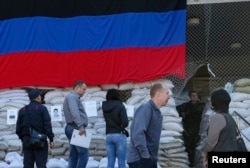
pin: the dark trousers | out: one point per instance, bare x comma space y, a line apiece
191, 138
31, 155
143, 163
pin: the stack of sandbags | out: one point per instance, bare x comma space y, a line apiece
172, 150
97, 147
60, 163
240, 103
13, 99
11, 160
138, 97
242, 85
9, 142
94, 93
56, 98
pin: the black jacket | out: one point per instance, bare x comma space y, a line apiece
115, 116
191, 113
35, 116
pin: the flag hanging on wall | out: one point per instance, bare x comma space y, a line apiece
55, 42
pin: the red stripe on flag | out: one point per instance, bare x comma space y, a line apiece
42, 68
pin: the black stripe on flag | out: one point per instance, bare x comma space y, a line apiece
70, 8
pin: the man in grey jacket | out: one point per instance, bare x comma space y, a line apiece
76, 118
146, 129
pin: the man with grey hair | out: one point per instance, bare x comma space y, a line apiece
146, 128
76, 118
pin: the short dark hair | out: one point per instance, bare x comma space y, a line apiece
220, 100
193, 91
112, 94
156, 87
78, 83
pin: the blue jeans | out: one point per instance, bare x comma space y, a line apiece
78, 156
116, 147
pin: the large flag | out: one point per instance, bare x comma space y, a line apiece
55, 42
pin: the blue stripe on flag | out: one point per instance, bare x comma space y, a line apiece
128, 30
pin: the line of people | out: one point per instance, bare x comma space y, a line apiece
145, 130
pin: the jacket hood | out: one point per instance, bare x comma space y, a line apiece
109, 106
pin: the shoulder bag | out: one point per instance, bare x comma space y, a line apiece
241, 147
124, 131
240, 142
37, 140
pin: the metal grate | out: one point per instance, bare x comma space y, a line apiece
125, 95
220, 37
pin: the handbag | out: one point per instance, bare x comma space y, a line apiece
124, 131
37, 139
241, 146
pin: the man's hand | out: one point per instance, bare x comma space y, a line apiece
82, 131
204, 159
51, 145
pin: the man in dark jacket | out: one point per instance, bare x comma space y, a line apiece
34, 116
191, 113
